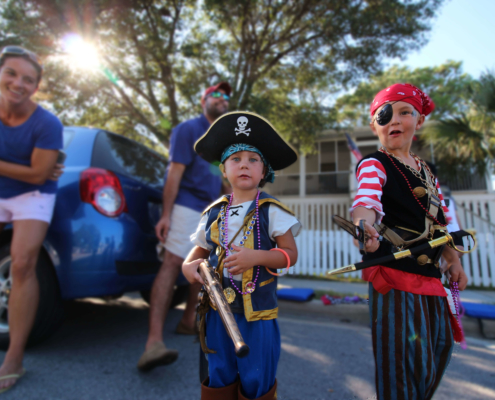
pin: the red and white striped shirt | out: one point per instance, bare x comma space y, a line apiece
371, 178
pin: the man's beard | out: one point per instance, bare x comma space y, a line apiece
216, 110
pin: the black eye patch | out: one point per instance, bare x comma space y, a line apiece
385, 115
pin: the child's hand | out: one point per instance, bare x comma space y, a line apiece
240, 262
450, 257
456, 274
372, 244
190, 271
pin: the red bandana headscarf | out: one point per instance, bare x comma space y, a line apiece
403, 92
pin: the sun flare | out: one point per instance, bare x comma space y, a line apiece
82, 54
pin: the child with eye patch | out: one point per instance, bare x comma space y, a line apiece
245, 236
413, 329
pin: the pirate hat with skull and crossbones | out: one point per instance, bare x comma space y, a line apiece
247, 128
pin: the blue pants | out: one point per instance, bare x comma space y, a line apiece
257, 371
412, 343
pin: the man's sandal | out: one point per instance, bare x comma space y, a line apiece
11, 376
157, 355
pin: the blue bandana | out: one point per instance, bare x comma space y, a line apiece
236, 148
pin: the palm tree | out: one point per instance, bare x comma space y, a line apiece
467, 142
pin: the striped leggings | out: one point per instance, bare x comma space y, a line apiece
412, 343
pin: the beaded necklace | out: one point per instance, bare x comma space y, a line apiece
416, 173
250, 286
454, 288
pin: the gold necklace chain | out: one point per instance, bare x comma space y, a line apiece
415, 172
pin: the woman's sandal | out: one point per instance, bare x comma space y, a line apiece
11, 376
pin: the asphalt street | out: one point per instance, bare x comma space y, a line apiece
93, 356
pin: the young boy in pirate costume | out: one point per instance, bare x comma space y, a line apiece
413, 330
236, 234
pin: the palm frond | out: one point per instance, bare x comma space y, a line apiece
458, 144
485, 96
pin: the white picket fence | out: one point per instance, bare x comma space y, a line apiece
478, 212
323, 247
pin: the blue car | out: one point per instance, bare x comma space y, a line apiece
101, 241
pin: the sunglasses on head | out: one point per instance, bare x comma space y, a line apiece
21, 52
217, 95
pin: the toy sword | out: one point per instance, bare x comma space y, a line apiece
447, 239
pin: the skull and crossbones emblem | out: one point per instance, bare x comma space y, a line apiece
242, 123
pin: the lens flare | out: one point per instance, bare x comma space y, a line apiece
81, 54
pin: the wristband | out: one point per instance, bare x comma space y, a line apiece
288, 263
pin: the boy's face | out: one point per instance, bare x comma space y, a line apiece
244, 170
399, 132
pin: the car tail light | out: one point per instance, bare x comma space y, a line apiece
102, 189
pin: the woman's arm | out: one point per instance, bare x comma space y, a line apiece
245, 259
42, 165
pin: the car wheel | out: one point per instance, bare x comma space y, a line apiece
50, 309
179, 296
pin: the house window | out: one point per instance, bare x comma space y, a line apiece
332, 173
334, 156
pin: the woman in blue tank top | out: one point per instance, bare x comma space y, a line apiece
30, 140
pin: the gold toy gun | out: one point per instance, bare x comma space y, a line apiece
215, 292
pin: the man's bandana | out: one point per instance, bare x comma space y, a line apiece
403, 92
236, 148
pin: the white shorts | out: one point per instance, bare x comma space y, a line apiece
183, 224
30, 205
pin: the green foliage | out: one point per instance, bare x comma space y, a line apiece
457, 144
285, 59
466, 142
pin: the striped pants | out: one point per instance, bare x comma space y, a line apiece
412, 343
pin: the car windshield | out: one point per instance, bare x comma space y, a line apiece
127, 157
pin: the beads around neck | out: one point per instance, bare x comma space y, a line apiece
224, 229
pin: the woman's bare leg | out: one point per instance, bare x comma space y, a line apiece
24, 297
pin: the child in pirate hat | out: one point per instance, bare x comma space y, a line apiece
413, 329
237, 235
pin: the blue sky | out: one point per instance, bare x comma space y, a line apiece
464, 30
